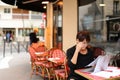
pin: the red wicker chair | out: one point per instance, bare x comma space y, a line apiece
36, 62
39, 47
98, 51
49, 66
62, 74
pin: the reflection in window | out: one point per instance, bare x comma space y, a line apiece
103, 22
89, 19
57, 21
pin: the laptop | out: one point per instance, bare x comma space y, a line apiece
99, 64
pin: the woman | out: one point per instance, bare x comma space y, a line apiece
79, 55
33, 37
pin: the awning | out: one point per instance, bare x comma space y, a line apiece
36, 5
33, 5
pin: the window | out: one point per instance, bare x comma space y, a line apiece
102, 19
92, 17
116, 5
26, 31
7, 10
36, 15
57, 23
33, 12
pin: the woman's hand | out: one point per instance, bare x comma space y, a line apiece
79, 46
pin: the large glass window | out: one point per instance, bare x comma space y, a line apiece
27, 31
36, 15
102, 19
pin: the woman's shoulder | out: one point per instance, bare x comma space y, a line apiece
71, 49
41, 43
35, 45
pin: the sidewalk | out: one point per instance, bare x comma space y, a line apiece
16, 66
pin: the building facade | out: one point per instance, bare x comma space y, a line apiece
20, 22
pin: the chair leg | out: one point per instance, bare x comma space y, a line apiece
48, 73
31, 74
56, 76
43, 72
32, 70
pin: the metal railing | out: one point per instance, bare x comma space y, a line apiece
15, 46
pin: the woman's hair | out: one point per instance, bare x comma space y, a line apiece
83, 35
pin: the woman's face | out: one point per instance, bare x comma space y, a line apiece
84, 45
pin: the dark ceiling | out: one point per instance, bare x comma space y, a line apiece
36, 5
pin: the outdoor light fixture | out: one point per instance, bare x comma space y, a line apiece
45, 2
44, 7
102, 5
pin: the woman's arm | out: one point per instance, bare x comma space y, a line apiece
77, 50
